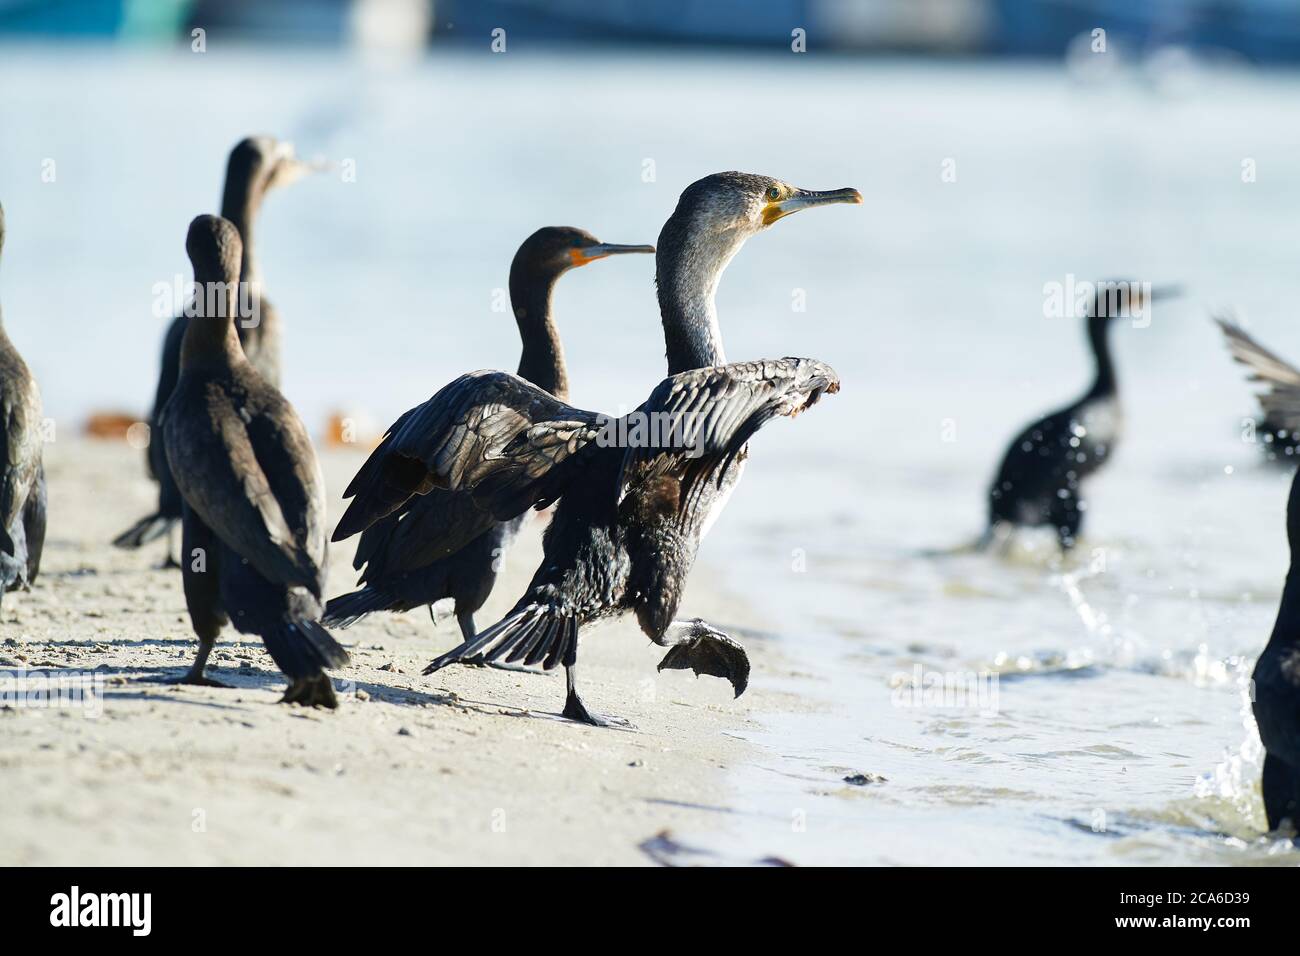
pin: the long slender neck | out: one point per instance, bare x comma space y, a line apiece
687, 270
239, 204
1104, 385
542, 359
211, 339
1286, 631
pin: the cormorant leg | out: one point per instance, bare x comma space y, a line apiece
576, 710
201, 583
1067, 519
195, 674
169, 560
1280, 788
467, 629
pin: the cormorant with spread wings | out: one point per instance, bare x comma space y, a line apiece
635, 494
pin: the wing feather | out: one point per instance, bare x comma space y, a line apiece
1281, 400
713, 412
489, 432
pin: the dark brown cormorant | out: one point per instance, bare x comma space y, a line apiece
257, 165
1039, 480
1280, 429
22, 490
636, 494
253, 525
406, 563
1276, 698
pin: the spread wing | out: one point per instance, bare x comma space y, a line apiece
253, 478
1281, 401
492, 432
512, 446
700, 420
425, 529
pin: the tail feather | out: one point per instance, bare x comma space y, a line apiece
530, 647
303, 648
346, 609
566, 648
147, 529
535, 632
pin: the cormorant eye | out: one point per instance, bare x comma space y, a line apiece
773, 193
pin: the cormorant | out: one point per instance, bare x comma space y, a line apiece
253, 525
1276, 682
1281, 402
1039, 480
636, 494
22, 489
406, 563
257, 165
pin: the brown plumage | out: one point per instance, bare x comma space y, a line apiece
257, 165
254, 500
22, 487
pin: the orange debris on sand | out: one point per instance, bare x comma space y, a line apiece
109, 424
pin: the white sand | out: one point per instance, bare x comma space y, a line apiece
466, 766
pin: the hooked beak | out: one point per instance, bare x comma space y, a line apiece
289, 168
1172, 291
602, 249
808, 199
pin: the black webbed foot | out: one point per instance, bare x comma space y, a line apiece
704, 649
317, 691
576, 710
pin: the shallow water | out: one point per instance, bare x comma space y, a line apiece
1118, 733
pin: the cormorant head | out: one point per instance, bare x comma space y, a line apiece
1128, 298
714, 217
214, 249
257, 165
741, 204
553, 250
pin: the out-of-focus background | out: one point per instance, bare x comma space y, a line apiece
1260, 30
1002, 148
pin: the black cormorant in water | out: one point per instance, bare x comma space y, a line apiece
1280, 429
257, 165
407, 565
1276, 699
1039, 480
636, 494
22, 491
253, 527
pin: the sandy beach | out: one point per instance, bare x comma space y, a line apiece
468, 766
